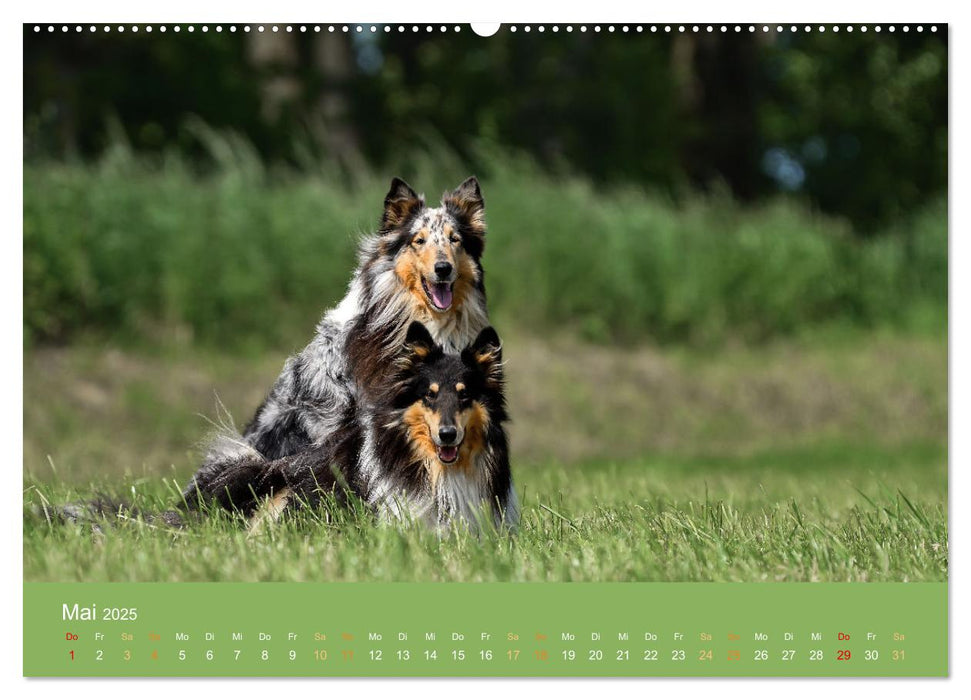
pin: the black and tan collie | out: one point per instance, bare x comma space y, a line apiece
427, 444
423, 264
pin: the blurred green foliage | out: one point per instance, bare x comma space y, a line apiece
854, 123
136, 247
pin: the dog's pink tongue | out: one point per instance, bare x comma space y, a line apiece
448, 453
442, 294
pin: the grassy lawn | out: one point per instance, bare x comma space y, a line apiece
790, 461
657, 521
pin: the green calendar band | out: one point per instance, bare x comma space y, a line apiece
485, 629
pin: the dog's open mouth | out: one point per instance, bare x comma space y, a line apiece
448, 453
439, 293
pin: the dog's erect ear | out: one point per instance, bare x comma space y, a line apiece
419, 347
469, 192
400, 201
400, 190
485, 354
467, 200
418, 343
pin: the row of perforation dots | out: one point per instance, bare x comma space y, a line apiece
414, 28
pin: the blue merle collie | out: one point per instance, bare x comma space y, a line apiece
423, 264
427, 444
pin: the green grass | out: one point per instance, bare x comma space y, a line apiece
799, 460
643, 521
132, 248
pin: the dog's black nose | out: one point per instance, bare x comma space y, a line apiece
447, 434
443, 270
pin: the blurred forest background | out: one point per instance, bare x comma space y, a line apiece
700, 244
665, 187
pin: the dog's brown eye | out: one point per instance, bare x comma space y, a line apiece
430, 396
455, 239
419, 241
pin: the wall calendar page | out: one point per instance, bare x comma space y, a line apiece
485, 350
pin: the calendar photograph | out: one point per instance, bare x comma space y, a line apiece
401, 308
683, 299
